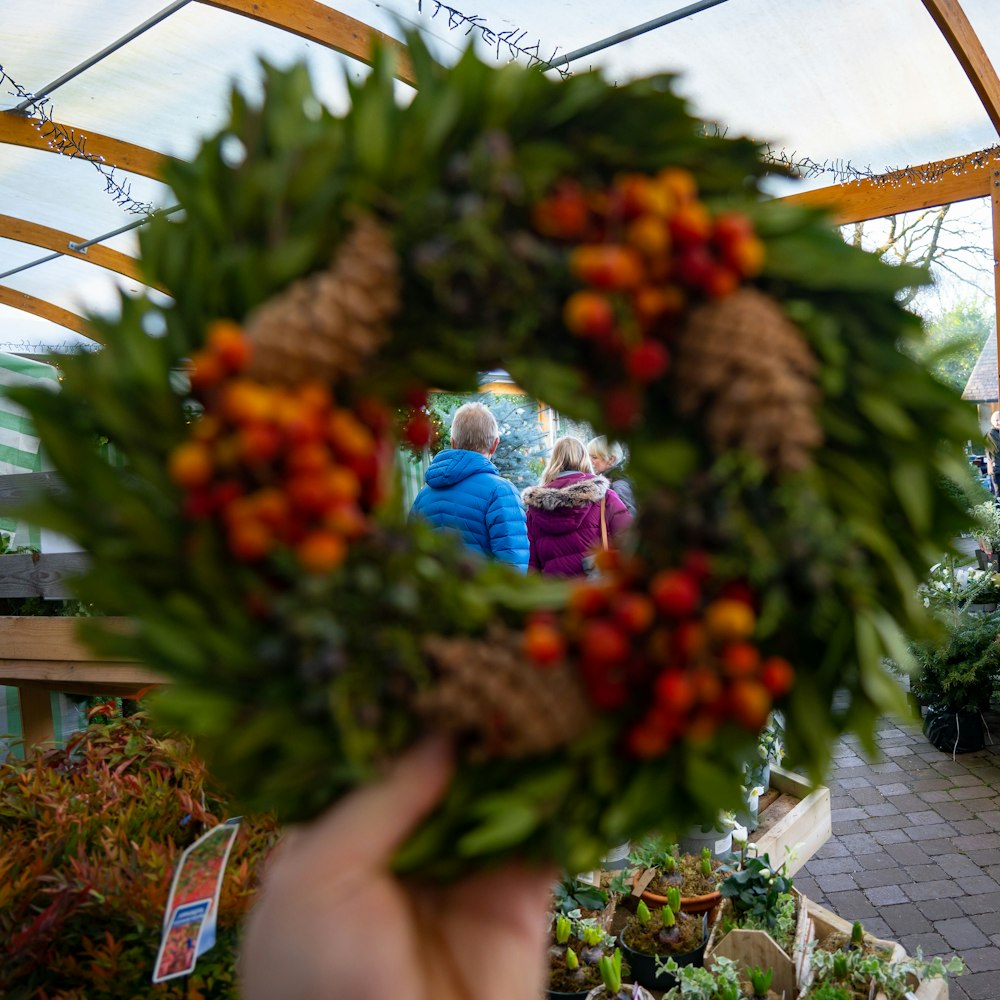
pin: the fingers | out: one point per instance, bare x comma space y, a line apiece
369, 825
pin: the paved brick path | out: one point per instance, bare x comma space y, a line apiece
915, 851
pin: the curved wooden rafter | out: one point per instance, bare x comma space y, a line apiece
319, 23
12, 228
46, 310
30, 133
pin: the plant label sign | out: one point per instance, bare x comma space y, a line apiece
193, 905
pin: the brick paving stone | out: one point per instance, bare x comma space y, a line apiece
956, 812
935, 889
867, 796
807, 886
898, 750
861, 843
961, 933
836, 883
979, 842
991, 818
832, 849
958, 865
846, 828
883, 809
891, 837
967, 779
982, 959
974, 986
976, 885
831, 866
937, 795
854, 783
966, 827
910, 854
875, 862
929, 943
983, 857
929, 784
942, 909
932, 831
942, 845
972, 793
842, 815
989, 902
894, 788
926, 873
851, 905
885, 895
927, 817
988, 923
881, 876
889, 767
904, 919
876, 823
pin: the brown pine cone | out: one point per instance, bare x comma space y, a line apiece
327, 325
489, 693
746, 367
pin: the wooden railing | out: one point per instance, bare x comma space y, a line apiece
39, 655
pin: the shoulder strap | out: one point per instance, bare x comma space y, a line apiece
604, 525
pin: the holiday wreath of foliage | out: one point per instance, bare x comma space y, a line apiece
625, 268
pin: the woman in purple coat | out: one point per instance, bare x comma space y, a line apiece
564, 512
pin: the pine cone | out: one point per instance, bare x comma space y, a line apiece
489, 693
748, 369
327, 325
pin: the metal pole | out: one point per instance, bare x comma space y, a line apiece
639, 29
82, 247
104, 53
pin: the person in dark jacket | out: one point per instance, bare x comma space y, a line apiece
465, 492
607, 456
564, 512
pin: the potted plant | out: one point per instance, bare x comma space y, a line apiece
717, 836
761, 920
582, 900
986, 527
658, 865
955, 680
612, 987
722, 982
856, 972
574, 957
666, 931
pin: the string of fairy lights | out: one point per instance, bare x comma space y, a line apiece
69, 142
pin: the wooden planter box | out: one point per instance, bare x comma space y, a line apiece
749, 948
823, 922
792, 816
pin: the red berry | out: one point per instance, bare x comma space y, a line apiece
603, 643
777, 675
647, 361
675, 592
419, 430
544, 643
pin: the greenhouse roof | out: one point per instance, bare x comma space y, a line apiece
845, 89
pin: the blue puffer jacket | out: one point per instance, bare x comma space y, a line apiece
465, 492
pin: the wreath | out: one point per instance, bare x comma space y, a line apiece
789, 461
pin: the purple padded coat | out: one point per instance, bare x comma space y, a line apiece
564, 521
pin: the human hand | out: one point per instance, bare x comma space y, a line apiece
333, 921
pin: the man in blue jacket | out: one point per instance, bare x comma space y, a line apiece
466, 493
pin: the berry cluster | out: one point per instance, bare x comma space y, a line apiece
278, 467
645, 249
674, 651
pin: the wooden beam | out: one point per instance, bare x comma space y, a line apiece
45, 575
13, 228
322, 24
36, 716
968, 49
960, 178
29, 132
46, 310
995, 206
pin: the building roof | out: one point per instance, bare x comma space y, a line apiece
982, 384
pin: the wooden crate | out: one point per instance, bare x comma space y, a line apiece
793, 816
823, 922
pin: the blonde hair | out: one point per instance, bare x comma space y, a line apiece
607, 451
569, 454
474, 428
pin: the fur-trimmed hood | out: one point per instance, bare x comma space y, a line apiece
575, 490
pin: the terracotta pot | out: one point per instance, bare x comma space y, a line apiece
689, 904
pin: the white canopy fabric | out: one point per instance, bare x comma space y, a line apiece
862, 85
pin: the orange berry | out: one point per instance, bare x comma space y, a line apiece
563, 215
652, 302
608, 266
749, 704
634, 612
740, 659
777, 675
603, 643
349, 436
345, 519
720, 282
270, 506
587, 600
342, 484
228, 343
321, 552
691, 223
206, 371
190, 465
249, 540
650, 236
311, 458
747, 256
731, 227
675, 592
679, 182
245, 402
544, 643
258, 442
674, 688
308, 494
589, 314
729, 619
